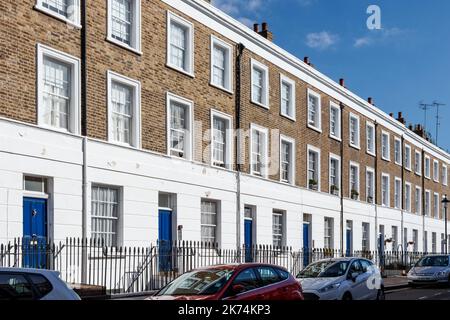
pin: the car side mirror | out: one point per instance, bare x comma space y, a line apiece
238, 288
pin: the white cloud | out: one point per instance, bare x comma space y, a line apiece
242, 10
378, 36
321, 40
306, 3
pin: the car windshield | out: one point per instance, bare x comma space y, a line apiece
202, 282
438, 261
324, 269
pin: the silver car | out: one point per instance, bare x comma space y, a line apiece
342, 279
431, 269
33, 284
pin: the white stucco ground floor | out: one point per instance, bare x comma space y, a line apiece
134, 197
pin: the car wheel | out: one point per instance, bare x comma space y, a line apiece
381, 295
347, 297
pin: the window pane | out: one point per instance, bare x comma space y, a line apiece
208, 221
178, 129
219, 66
56, 94
122, 102
178, 45
121, 15
219, 141
58, 6
258, 85
105, 214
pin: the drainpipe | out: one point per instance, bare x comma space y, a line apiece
84, 133
238, 73
423, 195
376, 194
342, 182
403, 202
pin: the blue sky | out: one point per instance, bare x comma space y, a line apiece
405, 62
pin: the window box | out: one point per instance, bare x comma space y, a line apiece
354, 194
334, 190
313, 185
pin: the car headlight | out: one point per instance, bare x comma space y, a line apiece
442, 274
330, 287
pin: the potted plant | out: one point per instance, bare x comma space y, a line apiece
354, 194
312, 184
335, 190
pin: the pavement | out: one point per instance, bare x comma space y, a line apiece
395, 282
420, 293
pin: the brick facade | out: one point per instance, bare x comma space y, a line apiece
24, 27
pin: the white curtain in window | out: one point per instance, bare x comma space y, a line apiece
105, 214
122, 13
122, 101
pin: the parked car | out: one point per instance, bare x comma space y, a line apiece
33, 284
431, 269
342, 279
233, 282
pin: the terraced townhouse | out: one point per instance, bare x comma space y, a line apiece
138, 120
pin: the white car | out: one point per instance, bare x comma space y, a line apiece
33, 284
342, 279
431, 269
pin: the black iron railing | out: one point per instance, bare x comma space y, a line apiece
138, 269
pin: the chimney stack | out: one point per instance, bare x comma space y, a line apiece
370, 100
401, 119
265, 32
391, 115
342, 82
256, 27
306, 60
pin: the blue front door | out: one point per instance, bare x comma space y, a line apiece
349, 242
248, 239
165, 240
306, 246
34, 233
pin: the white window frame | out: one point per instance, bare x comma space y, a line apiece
386, 202
229, 138
135, 85
317, 127
120, 211
436, 171
444, 177
388, 147
74, 20
408, 195
281, 214
336, 136
418, 166
338, 170
371, 170
427, 203
291, 160
265, 152
265, 89
427, 173
357, 144
398, 193
216, 42
418, 201
135, 43
436, 205
75, 83
328, 236
358, 183
190, 44
292, 97
190, 130
408, 155
399, 141
365, 236
372, 127
316, 150
217, 214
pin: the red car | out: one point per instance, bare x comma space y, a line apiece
251, 281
